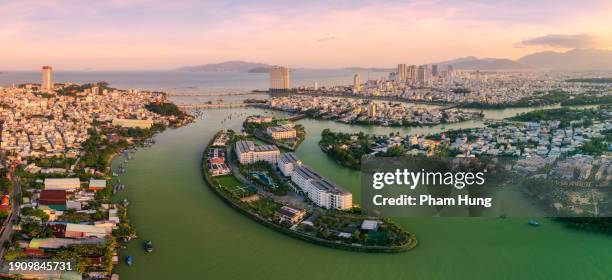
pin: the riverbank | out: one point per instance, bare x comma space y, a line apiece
196, 233
245, 206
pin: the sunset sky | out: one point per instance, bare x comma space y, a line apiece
160, 34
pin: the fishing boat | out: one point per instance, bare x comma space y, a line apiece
533, 223
148, 246
128, 260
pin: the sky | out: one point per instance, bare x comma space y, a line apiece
163, 34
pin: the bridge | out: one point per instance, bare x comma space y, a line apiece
193, 106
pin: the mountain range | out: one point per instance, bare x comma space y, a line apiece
576, 59
228, 66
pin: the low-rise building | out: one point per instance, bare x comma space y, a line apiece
290, 214
96, 185
144, 124
54, 199
320, 190
248, 153
281, 132
85, 231
67, 184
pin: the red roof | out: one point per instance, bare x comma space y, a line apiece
53, 197
34, 252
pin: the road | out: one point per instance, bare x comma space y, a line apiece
7, 228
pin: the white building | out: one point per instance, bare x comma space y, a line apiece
144, 124
247, 153
320, 190
281, 132
287, 162
67, 184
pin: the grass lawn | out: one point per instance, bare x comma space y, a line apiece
233, 185
265, 206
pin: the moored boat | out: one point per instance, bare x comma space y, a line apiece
148, 246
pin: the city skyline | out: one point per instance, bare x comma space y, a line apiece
142, 35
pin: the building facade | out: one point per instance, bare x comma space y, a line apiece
281, 132
47, 79
287, 162
320, 190
248, 153
279, 79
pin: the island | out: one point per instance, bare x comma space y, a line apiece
245, 176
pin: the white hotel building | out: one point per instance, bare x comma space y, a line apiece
287, 162
320, 190
248, 153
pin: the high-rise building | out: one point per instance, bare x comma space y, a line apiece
357, 82
372, 109
423, 74
47, 78
412, 73
402, 72
434, 70
315, 86
279, 79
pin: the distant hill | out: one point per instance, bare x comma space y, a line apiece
577, 59
264, 69
373, 69
474, 63
228, 66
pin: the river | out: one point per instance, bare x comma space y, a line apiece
197, 236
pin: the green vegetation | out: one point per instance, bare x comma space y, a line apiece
461, 90
5, 183
550, 98
230, 184
164, 109
259, 131
598, 225
85, 254
591, 80
29, 211
346, 149
72, 90
566, 116
597, 146
277, 185
587, 99
99, 150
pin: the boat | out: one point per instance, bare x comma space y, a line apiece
533, 223
128, 260
148, 246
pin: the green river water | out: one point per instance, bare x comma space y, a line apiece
197, 236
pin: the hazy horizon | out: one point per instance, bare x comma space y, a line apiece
75, 35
